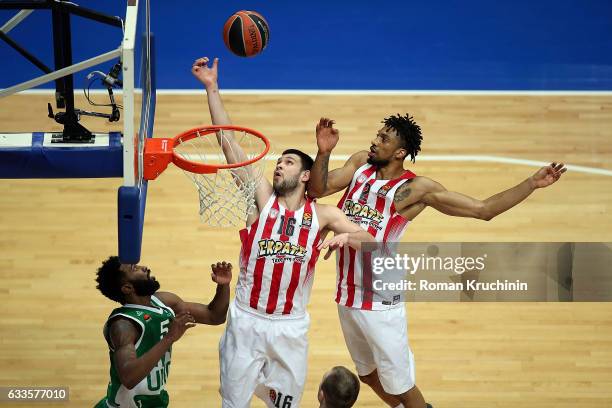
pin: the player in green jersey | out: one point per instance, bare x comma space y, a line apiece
141, 332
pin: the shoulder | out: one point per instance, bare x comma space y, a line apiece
122, 330
359, 158
414, 189
426, 184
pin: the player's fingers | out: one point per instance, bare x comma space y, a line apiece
215, 64
328, 254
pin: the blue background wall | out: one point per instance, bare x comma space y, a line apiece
403, 45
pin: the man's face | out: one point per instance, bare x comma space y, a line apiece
139, 278
287, 174
384, 147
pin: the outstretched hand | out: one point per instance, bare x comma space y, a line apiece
339, 241
205, 74
221, 273
548, 175
327, 135
179, 326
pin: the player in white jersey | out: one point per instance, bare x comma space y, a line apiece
384, 197
264, 348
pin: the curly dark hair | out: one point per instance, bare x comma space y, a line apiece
109, 278
408, 131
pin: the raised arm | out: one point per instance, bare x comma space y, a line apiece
123, 336
213, 313
231, 149
435, 195
322, 181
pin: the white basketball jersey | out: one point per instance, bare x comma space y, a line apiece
367, 202
277, 260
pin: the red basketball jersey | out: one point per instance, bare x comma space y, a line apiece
367, 202
277, 260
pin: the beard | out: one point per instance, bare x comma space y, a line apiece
378, 162
145, 287
285, 186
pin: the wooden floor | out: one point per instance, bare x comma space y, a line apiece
54, 233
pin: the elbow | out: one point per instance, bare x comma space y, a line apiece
314, 192
127, 382
129, 385
484, 213
218, 319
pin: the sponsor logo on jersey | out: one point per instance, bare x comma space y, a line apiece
362, 212
273, 213
146, 317
382, 192
270, 247
307, 220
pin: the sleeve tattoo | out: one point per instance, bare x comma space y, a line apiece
403, 192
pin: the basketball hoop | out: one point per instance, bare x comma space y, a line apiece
226, 192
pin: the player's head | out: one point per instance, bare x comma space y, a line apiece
339, 388
292, 170
120, 282
399, 138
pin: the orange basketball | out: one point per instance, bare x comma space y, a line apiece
246, 33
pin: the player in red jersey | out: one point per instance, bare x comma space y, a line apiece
383, 196
264, 347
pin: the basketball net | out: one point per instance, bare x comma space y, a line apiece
227, 196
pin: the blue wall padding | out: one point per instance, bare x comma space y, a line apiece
356, 44
131, 210
36, 161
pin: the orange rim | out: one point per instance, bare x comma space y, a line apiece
202, 168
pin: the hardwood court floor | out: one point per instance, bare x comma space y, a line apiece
54, 233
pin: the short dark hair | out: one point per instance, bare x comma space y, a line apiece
340, 388
408, 131
307, 161
110, 278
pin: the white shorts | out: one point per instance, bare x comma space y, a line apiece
378, 340
262, 356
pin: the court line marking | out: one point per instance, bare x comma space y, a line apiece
451, 158
488, 159
381, 92
468, 158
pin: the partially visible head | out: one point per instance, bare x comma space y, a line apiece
339, 388
121, 282
292, 169
399, 138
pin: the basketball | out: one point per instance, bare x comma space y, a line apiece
246, 33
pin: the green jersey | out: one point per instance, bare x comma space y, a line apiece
153, 322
